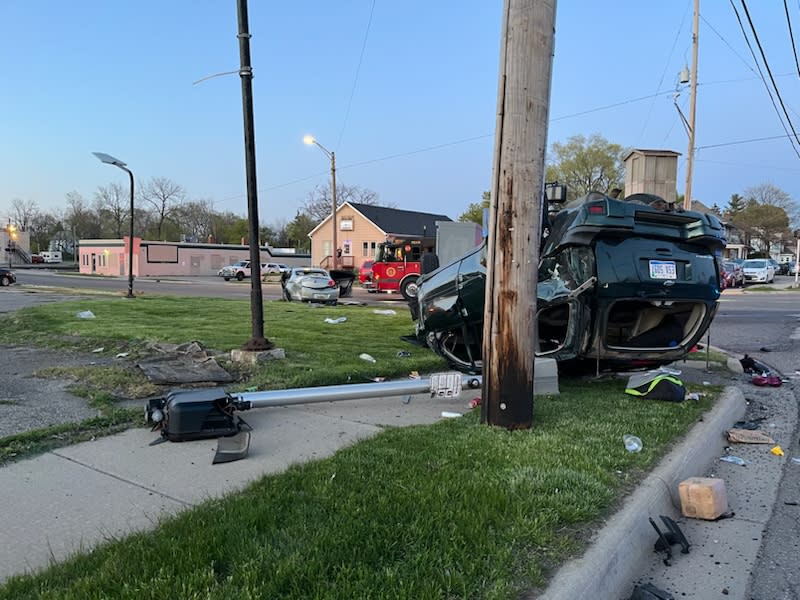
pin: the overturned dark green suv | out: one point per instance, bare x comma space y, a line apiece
630, 283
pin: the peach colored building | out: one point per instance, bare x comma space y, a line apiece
361, 227
161, 259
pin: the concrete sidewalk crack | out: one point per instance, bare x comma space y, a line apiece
122, 479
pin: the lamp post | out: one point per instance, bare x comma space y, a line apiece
310, 140
11, 230
110, 160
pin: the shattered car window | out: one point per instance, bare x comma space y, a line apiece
564, 272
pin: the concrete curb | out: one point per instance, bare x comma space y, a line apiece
622, 549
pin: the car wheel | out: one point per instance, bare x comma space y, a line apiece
239, 276
409, 288
5, 280
227, 278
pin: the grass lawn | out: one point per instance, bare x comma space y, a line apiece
454, 509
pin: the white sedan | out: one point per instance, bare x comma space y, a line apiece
758, 270
309, 284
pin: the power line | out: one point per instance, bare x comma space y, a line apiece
749, 141
769, 91
719, 35
748, 165
791, 35
355, 79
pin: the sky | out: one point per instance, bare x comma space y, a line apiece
405, 93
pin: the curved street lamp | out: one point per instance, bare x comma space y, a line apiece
311, 141
110, 160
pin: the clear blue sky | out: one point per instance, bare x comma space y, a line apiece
116, 77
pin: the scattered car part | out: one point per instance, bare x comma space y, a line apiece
648, 591
673, 535
185, 415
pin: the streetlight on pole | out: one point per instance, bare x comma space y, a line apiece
110, 160
310, 140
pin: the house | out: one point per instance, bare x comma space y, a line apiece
162, 259
361, 227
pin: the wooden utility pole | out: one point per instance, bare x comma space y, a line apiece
523, 99
687, 194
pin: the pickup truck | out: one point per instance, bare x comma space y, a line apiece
238, 270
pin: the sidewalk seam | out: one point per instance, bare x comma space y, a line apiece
122, 479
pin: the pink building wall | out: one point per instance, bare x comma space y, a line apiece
161, 259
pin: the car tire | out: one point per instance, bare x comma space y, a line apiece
5, 280
239, 276
227, 278
408, 288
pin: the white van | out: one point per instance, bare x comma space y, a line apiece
51, 257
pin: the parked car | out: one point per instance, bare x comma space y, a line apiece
7, 277
778, 267
793, 268
622, 284
365, 272
758, 270
274, 269
309, 284
732, 274
238, 270
37, 259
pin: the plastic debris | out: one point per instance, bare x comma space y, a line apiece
335, 321
98, 350
413, 375
632, 443
475, 402
451, 415
693, 396
85, 314
777, 451
733, 459
122, 355
403, 354
367, 357
386, 311
796, 460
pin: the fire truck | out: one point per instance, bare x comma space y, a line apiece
400, 260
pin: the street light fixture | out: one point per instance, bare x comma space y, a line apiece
310, 140
110, 160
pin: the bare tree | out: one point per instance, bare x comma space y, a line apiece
319, 203
196, 219
112, 204
771, 195
165, 196
23, 212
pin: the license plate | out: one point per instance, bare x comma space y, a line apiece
663, 269
320, 296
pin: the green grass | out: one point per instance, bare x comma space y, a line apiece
317, 353
455, 509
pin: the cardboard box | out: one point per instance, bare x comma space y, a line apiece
703, 498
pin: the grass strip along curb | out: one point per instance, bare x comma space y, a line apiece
454, 509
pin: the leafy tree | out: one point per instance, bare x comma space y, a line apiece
762, 223
297, 231
474, 211
228, 228
587, 165
43, 227
319, 203
771, 195
165, 196
195, 218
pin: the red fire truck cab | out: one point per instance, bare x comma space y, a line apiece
398, 265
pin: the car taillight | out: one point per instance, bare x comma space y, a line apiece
598, 208
331, 283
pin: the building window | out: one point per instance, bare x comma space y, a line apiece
346, 224
374, 248
365, 249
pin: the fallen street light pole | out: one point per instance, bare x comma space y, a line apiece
196, 414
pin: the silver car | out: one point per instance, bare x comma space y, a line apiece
758, 270
309, 284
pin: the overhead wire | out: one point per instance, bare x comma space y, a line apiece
791, 35
355, 79
769, 71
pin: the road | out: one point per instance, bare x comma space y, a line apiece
767, 327
177, 286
